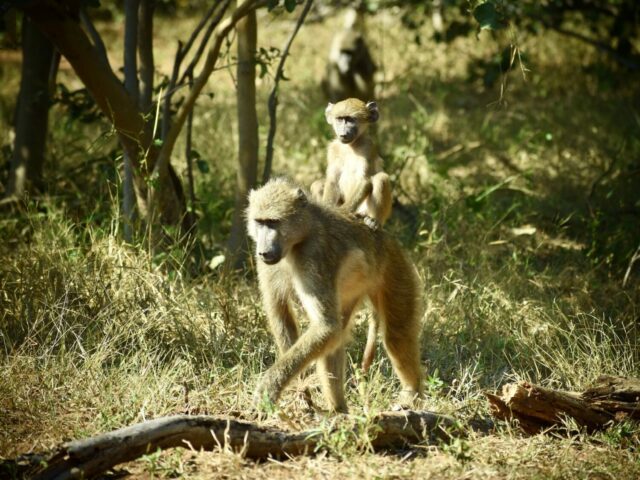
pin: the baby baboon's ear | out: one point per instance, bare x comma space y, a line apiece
327, 113
374, 114
301, 197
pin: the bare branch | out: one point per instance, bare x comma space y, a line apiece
200, 81
91, 456
273, 97
189, 71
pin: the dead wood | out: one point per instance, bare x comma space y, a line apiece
91, 456
536, 408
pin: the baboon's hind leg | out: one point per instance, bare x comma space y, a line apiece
401, 336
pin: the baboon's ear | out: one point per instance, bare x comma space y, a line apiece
301, 197
374, 114
327, 113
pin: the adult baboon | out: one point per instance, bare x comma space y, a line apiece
330, 261
350, 69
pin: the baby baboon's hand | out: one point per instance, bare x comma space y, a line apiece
370, 222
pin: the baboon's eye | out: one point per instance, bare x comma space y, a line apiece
269, 223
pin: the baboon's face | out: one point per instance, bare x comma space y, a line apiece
350, 118
275, 219
347, 128
269, 240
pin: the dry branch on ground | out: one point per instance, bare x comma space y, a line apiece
536, 408
88, 457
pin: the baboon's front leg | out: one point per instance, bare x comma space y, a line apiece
319, 338
281, 322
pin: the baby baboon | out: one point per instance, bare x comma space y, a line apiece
354, 177
330, 262
350, 68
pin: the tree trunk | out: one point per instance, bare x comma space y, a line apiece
91, 456
131, 85
536, 408
134, 133
32, 112
145, 54
247, 136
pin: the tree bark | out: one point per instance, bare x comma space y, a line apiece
32, 112
145, 54
89, 457
131, 84
536, 408
247, 136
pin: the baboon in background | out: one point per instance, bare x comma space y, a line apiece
330, 261
350, 69
354, 177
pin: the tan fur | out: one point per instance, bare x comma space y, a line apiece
330, 262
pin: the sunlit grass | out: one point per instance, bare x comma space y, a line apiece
517, 235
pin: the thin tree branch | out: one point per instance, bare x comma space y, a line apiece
200, 81
181, 53
188, 155
634, 258
95, 37
203, 43
273, 97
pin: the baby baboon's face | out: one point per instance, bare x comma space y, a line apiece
346, 128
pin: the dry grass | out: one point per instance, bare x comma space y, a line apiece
519, 238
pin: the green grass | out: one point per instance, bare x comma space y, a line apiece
521, 219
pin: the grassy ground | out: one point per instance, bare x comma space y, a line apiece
521, 216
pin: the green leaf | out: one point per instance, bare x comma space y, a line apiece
488, 17
203, 166
290, 5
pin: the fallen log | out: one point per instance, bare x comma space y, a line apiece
609, 399
91, 456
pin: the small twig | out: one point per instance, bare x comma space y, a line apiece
273, 97
634, 258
